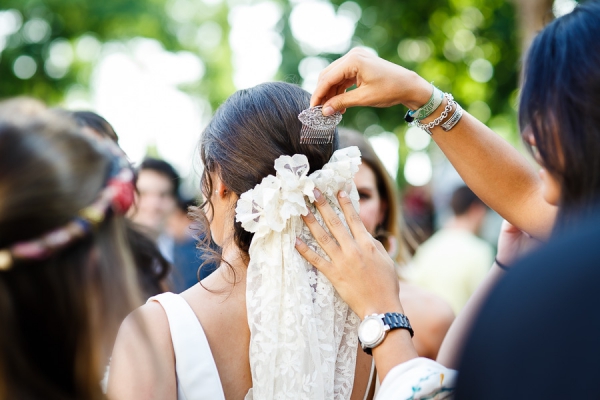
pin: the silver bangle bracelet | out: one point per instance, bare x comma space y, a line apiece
453, 120
427, 127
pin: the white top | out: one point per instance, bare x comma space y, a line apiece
197, 375
418, 379
452, 263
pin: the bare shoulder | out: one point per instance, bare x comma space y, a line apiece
143, 360
429, 315
148, 324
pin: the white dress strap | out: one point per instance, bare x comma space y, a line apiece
197, 375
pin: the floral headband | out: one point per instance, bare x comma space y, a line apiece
117, 195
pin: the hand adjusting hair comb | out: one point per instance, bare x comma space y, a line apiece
317, 128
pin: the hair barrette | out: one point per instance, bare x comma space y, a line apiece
317, 128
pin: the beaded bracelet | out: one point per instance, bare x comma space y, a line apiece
437, 96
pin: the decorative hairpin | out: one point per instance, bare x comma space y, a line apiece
317, 128
117, 196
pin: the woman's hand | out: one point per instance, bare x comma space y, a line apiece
360, 268
379, 83
513, 243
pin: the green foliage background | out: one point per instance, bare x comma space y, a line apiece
390, 27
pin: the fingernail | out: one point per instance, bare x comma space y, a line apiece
317, 194
328, 110
343, 193
298, 242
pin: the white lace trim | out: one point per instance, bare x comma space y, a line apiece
303, 336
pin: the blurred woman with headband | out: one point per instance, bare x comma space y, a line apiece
66, 273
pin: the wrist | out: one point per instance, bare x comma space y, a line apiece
418, 93
502, 265
382, 308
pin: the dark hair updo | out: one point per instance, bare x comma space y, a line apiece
560, 107
247, 134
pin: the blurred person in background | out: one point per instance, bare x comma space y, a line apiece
66, 273
153, 268
454, 260
94, 124
157, 187
189, 267
380, 212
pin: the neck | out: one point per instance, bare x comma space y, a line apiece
462, 223
231, 275
237, 260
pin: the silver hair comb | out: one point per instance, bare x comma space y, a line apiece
317, 128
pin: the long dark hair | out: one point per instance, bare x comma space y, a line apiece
560, 106
59, 315
247, 134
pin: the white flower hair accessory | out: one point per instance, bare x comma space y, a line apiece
303, 336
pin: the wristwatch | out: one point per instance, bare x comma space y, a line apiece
373, 328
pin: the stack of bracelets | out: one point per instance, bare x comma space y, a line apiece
414, 117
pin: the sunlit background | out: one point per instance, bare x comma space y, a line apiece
157, 69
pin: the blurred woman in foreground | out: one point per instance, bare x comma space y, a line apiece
66, 275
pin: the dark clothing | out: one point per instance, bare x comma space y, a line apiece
538, 334
186, 262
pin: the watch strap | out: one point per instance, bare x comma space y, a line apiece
396, 321
393, 321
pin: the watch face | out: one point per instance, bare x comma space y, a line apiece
370, 330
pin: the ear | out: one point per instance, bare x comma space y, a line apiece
220, 189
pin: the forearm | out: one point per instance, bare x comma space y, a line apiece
493, 169
498, 174
394, 350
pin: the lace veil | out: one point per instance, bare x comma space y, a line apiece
303, 335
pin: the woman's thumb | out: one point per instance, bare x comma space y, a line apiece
340, 102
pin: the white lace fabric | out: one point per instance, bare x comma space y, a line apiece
303, 335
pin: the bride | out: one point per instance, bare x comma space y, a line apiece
265, 324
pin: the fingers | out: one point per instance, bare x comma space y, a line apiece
312, 257
333, 222
334, 75
380, 247
322, 237
353, 220
342, 102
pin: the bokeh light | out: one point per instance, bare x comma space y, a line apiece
563, 7
255, 43
386, 145
416, 139
417, 169
319, 29
24, 67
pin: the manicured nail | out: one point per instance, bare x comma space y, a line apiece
343, 193
317, 193
298, 242
328, 110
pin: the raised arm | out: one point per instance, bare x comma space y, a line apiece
488, 164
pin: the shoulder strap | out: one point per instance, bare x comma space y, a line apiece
197, 374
